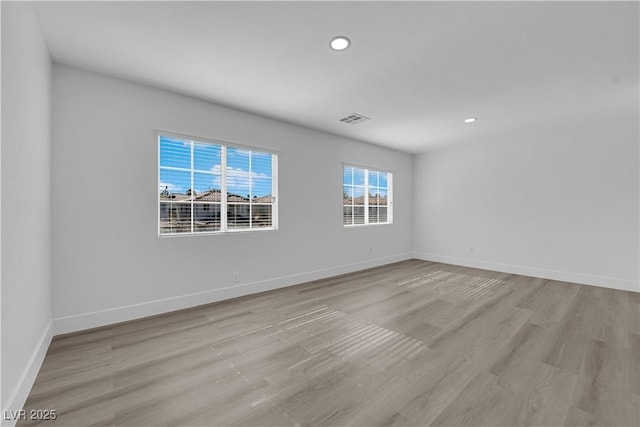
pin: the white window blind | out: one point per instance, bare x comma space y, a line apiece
208, 187
367, 196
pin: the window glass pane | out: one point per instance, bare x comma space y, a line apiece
374, 197
237, 215
175, 153
238, 174
373, 178
347, 195
347, 215
261, 187
264, 199
358, 176
234, 198
206, 216
261, 177
166, 219
383, 214
383, 200
206, 186
358, 195
347, 175
261, 164
206, 157
358, 215
174, 185
175, 217
261, 216
384, 180
373, 214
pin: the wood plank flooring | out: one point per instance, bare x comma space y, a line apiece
409, 344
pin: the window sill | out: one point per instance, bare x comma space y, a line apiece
374, 224
217, 233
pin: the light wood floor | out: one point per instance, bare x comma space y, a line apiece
409, 344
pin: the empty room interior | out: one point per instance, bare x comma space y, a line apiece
320, 213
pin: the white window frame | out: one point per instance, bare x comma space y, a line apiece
224, 229
368, 169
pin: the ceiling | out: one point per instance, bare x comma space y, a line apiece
417, 69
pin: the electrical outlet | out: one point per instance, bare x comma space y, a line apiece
370, 250
234, 277
471, 250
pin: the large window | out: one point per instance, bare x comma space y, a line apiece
208, 187
366, 196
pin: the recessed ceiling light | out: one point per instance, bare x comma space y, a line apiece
470, 120
340, 43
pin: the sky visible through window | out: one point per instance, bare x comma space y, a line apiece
249, 173
353, 182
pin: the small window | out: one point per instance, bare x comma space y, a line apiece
366, 196
210, 187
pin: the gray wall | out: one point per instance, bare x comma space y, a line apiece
108, 263
25, 177
557, 199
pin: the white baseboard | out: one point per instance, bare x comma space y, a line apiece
19, 395
110, 316
584, 279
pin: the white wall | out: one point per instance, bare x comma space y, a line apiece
26, 233
108, 263
558, 199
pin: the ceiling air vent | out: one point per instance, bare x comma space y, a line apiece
354, 119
